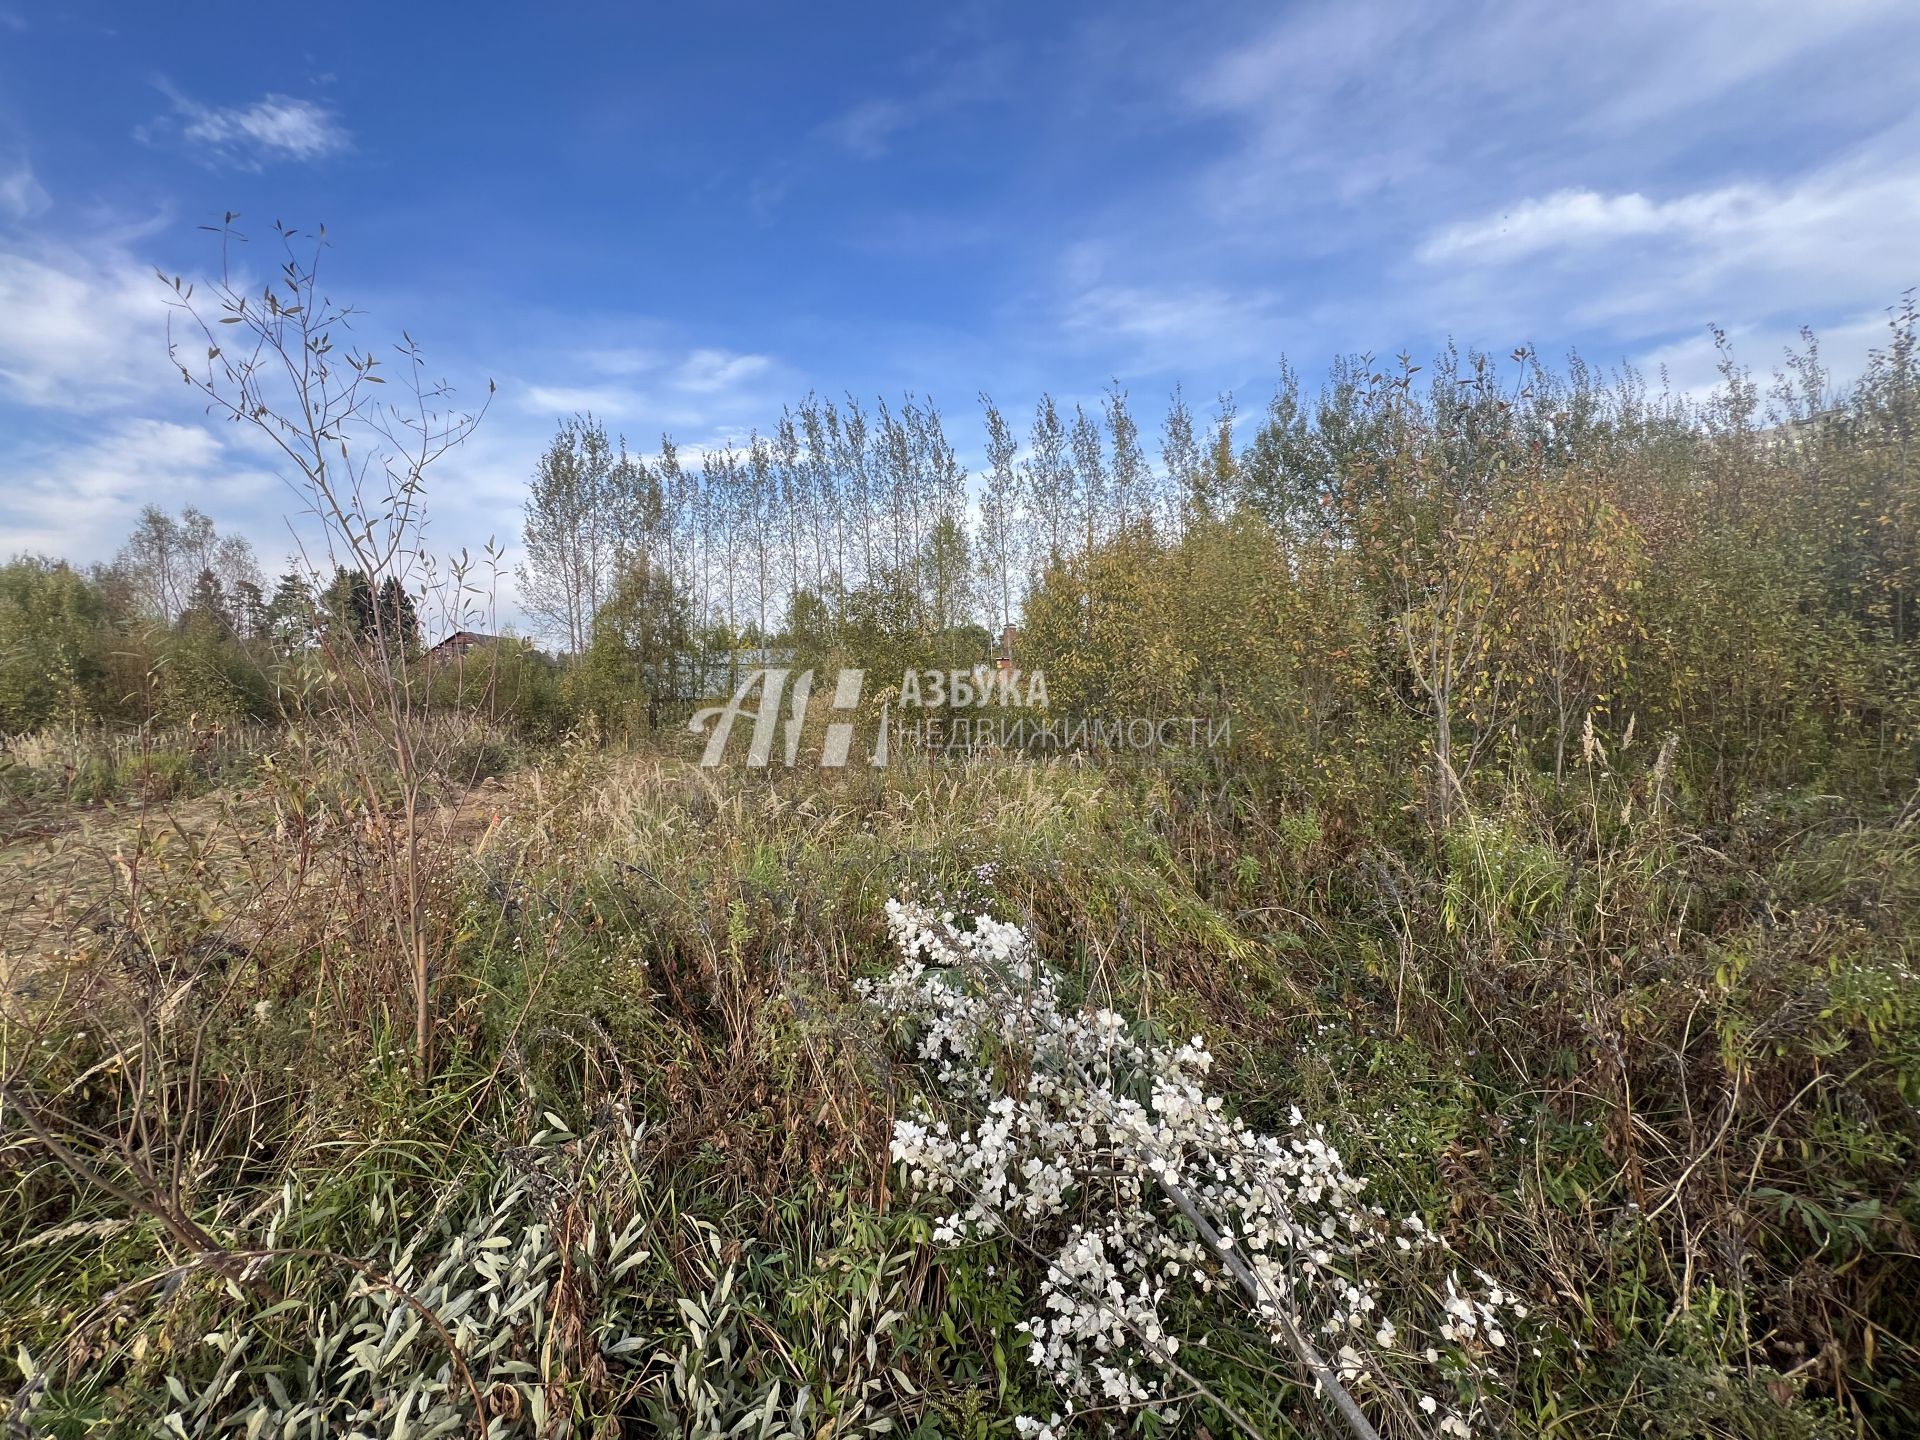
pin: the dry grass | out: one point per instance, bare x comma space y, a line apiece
1661, 1076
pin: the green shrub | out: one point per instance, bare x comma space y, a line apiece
154, 775
95, 780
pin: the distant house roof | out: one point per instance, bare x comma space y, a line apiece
464, 640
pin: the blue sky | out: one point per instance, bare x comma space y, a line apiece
681, 217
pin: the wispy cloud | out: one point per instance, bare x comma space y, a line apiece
690, 391
1691, 366
1366, 100
709, 372
22, 197
1187, 319
611, 402
868, 128
79, 500
246, 137
1827, 240
949, 82
623, 360
1569, 219
81, 333
1507, 171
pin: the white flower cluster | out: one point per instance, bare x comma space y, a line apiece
1107, 1155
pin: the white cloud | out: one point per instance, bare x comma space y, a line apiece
1569, 218
1194, 316
1139, 325
79, 501
693, 458
22, 197
1374, 100
868, 128
677, 391
1513, 170
607, 401
707, 372
948, 82
296, 128
1575, 172
1691, 366
94, 422
1832, 239
80, 333
623, 360
274, 127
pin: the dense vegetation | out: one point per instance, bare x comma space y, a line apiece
1564, 865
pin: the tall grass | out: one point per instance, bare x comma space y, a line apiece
1666, 1076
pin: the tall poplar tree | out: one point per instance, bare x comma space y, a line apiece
571, 532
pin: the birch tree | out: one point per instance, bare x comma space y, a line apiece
571, 533
999, 548
1050, 475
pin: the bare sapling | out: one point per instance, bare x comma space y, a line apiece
356, 435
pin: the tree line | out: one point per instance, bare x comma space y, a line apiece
1474, 564
179, 624
841, 500
1478, 558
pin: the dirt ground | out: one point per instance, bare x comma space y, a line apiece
65, 870
60, 864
